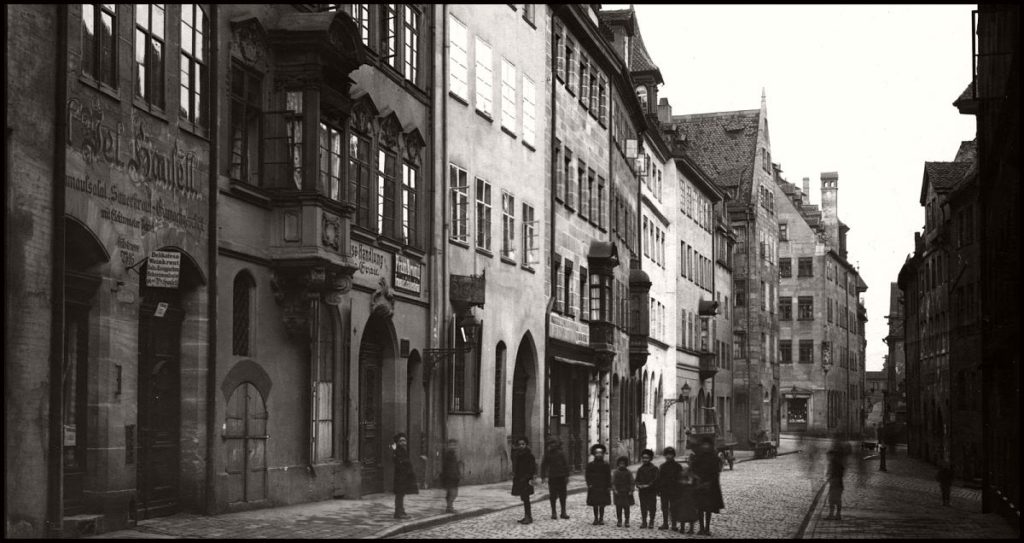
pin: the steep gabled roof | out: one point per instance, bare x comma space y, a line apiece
722, 143
967, 152
942, 176
640, 60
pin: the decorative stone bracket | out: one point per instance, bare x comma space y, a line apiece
295, 288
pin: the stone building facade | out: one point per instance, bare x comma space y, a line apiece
820, 314
895, 414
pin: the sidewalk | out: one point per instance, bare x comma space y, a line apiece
903, 502
368, 518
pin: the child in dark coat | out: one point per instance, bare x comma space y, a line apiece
555, 468
405, 477
622, 483
684, 507
451, 474
524, 467
647, 485
599, 483
668, 486
945, 479
707, 466
836, 469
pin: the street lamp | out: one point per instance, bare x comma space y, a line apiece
684, 397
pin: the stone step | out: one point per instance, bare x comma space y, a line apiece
77, 526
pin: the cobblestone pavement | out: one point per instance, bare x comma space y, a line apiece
763, 499
904, 502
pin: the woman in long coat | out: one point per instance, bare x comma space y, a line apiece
524, 468
599, 482
405, 477
707, 467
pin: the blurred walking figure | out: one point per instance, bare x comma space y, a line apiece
524, 467
554, 467
647, 485
668, 486
945, 479
684, 507
451, 474
707, 467
405, 477
623, 485
836, 469
599, 482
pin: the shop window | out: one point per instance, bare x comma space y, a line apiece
323, 386
99, 43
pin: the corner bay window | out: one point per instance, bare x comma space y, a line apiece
330, 161
600, 297
359, 177
246, 114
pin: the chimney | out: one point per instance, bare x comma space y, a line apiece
829, 213
807, 190
664, 111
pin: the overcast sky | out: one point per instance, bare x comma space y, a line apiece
865, 91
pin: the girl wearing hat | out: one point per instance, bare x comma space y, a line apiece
622, 482
405, 477
599, 482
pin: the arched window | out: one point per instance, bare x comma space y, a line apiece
499, 385
241, 312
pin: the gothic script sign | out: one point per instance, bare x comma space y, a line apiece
163, 269
407, 274
372, 263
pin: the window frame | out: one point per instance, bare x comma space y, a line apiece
458, 191
197, 116
483, 214
154, 78
105, 70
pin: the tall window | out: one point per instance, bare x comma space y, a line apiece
584, 295
785, 267
359, 176
641, 95
570, 185
581, 184
740, 286
529, 114
389, 34
246, 112
559, 173
805, 267
592, 209
323, 387
559, 285
806, 351
99, 42
570, 65
483, 214
530, 248
584, 81
603, 100
241, 313
602, 210
567, 287
294, 107
785, 351
508, 225
559, 54
785, 308
458, 59
601, 297
387, 174
508, 95
805, 308
149, 53
412, 43
459, 204
499, 385
484, 77
194, 30
361, 14
330, 161
409, 174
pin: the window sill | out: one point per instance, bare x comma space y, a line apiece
508, 260
509, 132
149, 108
458, 98
194, 129
111, 92
531, 23
528, 268
485, 115
484, 252
529, 146
459, 243
465, 413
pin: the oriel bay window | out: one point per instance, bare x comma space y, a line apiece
330, 161
359, 177
600, 297
282, 141
246, 112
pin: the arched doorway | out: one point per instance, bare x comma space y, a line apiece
523, 389
374, 349
161, 313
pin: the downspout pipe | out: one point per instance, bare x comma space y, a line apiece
443, 241
211, 287
55, 468
551, 229
746, 337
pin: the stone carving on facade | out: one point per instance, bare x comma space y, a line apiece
249, 42
295, 290
382, 303
364, 112
390, 128
331, 232
413, 144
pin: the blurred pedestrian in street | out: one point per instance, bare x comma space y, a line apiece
707, 467
945, 479
623, 485
405, 477
668, 486
684, 507
524, 468
451, 474
647, 485
836, 469
554, 467
599, 482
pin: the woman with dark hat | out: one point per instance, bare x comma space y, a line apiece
707, 467
405, 477
599, 482
524, 467
555, 468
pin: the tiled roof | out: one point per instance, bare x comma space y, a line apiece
721, 143
967, 152
617, 15
944, 175
966, 102
639, 58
